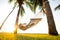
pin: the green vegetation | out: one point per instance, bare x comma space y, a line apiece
11, 36
58, 7
43, 4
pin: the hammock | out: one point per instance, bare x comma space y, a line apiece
32, 22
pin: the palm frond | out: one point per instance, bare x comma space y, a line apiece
30, 6
10, 1
35, 6
40, 2
36, 3
58, 7
22, 11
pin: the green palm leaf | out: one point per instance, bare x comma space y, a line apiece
36, 3
22, 11
58, 7
30, 5
10, 1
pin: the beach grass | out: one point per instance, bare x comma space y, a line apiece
21, 36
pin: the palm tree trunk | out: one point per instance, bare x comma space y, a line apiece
50, 20
7, 17
16, 23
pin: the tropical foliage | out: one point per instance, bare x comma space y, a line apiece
44, 4
21, 3
58, 7
20, 10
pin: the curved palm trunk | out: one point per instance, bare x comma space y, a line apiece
50, 20
7, 17
16, 23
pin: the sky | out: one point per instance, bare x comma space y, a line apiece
41, 27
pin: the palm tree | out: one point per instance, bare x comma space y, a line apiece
50, 20
44, 4
20, 11
17, 18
